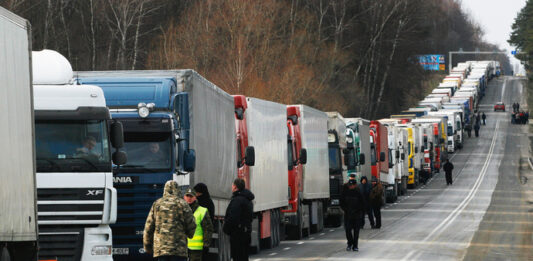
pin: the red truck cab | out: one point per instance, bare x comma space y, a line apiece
294, 147
243, 165
379, 147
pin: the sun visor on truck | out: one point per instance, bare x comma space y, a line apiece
82, 113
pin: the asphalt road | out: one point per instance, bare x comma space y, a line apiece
487, 214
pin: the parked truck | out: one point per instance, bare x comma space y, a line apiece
18, 225
74, 136
379, 147
309, 183
171, 119
337, 166
358, 140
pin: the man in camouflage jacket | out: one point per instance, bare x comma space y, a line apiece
168, 225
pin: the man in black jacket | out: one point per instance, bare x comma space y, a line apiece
353, 205
365, 189
448, 167
238, 220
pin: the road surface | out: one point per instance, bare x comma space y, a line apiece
487, 214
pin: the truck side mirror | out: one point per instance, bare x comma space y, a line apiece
391, 165
362, 159
303, 156
416, 149
397, 154
239, 112
189, 160
382, 156
249, 156
119, 158
349, 161
117, 135
403, 156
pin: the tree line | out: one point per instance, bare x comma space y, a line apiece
522, 36
352, 56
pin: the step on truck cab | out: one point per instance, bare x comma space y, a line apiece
172, 119
358, 143
262, 130
74, 139
18, 225
337, 166
308, 173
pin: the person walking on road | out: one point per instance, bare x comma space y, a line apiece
476, 129
168, 225
352, 204
204, 228
468, 128
448, 167
478, 118
238, 220
365, 188
484, 118
376, 201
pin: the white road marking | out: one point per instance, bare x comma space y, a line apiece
287, 248
453, 215
273, 254
322, 234
299, 243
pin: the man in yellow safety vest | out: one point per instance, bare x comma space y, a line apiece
204, 228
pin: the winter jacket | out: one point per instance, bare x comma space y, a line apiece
169, 224
376, 196
448, 167
352, 202
239, 213
205, 200
365, 189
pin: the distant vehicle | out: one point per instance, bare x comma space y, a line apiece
500, 106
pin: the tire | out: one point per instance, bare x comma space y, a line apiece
295, 232
4, 254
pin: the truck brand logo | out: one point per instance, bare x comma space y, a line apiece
126, 180
95, 192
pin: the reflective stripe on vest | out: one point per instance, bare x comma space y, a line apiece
197, 242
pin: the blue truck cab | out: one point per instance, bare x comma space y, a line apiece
155, 119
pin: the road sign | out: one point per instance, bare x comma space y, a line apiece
513, 52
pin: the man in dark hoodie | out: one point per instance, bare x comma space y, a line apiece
238, 220
352, 204
365, 188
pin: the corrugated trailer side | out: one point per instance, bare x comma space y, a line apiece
18, 213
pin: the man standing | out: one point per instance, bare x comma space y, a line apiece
448, 167
476, 129
238, 220
352, 204
365, 188
204, 228
484, 118
376, 201
204, 199
168, 225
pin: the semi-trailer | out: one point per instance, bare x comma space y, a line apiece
358, 139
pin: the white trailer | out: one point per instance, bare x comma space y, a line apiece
18, 225
360, 129
266, 125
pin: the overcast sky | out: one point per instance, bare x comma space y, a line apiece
495, 17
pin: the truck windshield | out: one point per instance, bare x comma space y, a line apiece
147, 152
334, 159
72, 146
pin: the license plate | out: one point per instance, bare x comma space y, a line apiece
121, 251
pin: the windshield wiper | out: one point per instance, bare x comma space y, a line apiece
137, 167
86, 161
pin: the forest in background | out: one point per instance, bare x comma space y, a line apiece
522, 37
352, 56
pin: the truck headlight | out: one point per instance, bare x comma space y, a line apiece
101, 251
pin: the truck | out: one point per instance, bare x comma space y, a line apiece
397, 140
379, 149
261, 129
358, 141
171, 118
412, 176
18, 229
308, 170
74, 136
337, 166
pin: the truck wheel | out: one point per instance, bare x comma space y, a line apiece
4, 254
295, 232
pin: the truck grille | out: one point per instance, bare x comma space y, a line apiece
335, 188
134, 203
76, 205
61, 244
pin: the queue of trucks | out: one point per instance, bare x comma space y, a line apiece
103, 144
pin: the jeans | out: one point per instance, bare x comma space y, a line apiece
376, 210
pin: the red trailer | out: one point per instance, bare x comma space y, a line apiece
379, 147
